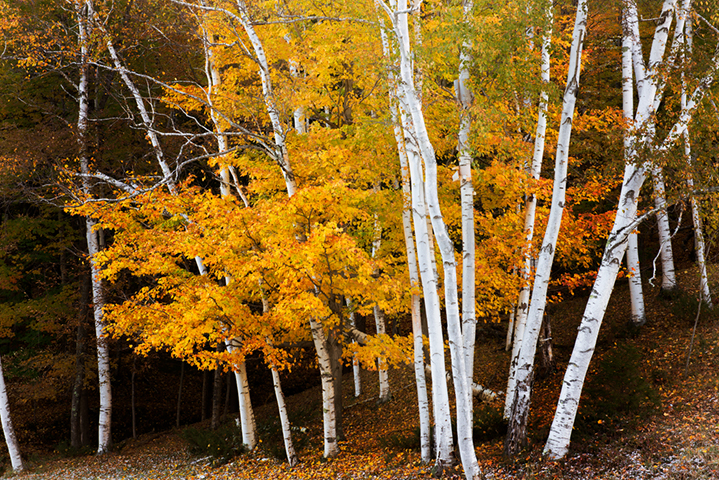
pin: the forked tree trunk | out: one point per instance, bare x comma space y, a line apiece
517, 429
520, 318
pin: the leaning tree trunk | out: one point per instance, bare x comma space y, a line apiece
635, 173
520, 313
517, 428
7, 428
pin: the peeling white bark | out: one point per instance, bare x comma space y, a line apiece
419, 262
469, 321
85, 15
635, 275
520, 318
635, 173
517, 429
454, 327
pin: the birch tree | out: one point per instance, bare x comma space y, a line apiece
84, 13
686, 40
398, 14
517, 429
421, 268
530, 209
638, 317
626, 219
7, 428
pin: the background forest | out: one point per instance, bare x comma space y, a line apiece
229, 201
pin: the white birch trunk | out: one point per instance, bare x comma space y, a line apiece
635, 275
517, 429
522, 308
247, 414
281, 155
380, 324
329, 416
560, 433
669, 280
469, 320
413, 204
84, 15
103, 351
7, 428
454, 327
355, 363
699, 245
284, 419
561, 429
383, 374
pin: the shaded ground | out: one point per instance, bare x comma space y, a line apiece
652, 422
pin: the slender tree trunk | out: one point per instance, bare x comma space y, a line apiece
84, 16
517, 428
247, 415
530, 213
422, 398
284, 419
203, 414
7, 428
469, 321
384, 391
380, 324
454, 327
179, 397
669, 280
547, 352
216, 394
696, 211
329, 417
635, 274
355, 362
561, 429
414, 209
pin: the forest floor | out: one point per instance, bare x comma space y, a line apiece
644, 415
